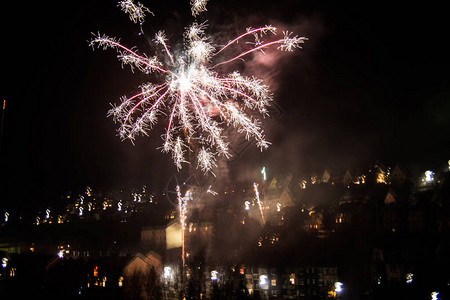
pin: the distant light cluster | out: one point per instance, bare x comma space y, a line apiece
197, 101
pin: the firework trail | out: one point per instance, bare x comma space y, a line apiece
196, 99
255, 187
182, 210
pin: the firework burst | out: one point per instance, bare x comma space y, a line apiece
196, 99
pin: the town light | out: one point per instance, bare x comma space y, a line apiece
292, 278
303, 184
167, 272
263, 280
263, 172
4, 262
434, 295
409, 278
214, 274
338, 287
429, 176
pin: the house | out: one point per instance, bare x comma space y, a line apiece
162, 237
142, 263
391, 197
400, 175
347, 178
326, 176
293, 282
276, 197
142, 276
154, 237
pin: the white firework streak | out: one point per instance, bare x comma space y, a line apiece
182, 206
255, 187
197, 100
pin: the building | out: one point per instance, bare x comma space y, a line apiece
276, 196
305, 282
162, 237
142, 276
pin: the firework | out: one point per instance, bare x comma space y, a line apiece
197, 100
182, 210
136, 12
214, 193
255, 187
198, 6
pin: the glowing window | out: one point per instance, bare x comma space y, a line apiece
292, 278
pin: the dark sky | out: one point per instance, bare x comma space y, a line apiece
372, 83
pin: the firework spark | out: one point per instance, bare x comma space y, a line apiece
197, 100
198, 6
136, 12
255, 187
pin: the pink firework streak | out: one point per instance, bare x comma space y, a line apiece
198, 101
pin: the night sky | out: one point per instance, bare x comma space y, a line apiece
372, 83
